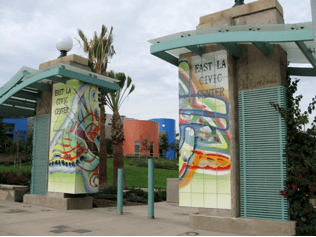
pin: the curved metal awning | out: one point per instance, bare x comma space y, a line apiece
296, 39
19, 95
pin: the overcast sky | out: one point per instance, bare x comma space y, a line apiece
29, 31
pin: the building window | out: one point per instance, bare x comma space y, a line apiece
151, 149
137, 148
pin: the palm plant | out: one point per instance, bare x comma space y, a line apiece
115, 100
99, 50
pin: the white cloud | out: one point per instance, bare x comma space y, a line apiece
29, 30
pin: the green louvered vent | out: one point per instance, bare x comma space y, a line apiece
40, 154
262, 160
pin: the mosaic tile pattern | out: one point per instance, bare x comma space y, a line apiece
74, 138
204, 166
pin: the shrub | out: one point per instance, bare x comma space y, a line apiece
165, 164
22, 178
138, 192
138, 162
160, 195
133, 195
300, 183
135, 199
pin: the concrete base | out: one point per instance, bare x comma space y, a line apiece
65, 203
242, 226
173, 190
12, 192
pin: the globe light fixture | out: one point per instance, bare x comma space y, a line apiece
64, 44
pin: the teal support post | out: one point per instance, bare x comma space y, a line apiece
120, 191
151, 188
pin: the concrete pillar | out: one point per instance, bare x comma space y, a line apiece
252, 70
44, 104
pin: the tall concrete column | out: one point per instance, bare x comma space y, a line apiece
253, 70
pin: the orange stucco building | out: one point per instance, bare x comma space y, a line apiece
136, 132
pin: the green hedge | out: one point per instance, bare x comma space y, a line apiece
132, 195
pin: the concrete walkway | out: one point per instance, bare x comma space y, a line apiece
170, 219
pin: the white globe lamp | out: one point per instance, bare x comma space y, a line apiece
64, 44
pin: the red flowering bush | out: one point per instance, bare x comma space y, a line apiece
300, 150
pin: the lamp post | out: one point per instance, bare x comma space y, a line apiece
64, 44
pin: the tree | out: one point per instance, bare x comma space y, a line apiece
115, 100
175, 148
145, 145
99, 50
163, 143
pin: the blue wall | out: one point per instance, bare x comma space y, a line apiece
168, 125
19, 124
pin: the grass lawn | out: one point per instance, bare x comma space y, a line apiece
24, 168
138, 176
135, 176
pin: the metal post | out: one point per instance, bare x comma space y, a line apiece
313, 7
151, 188
120, 191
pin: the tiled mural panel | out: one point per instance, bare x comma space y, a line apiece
74, 138
204, 169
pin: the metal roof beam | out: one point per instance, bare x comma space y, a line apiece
20, 103
26, 95
167, 57
15, 111
233, 48
307, 52
40, 86
159, 49
301, 71
12, 83
15, 90
199, 50
236, 37
58, 79
265, 48
61, 73
107, 86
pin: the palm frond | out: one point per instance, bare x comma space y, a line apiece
103, 31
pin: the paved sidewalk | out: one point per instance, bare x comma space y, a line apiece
24, 219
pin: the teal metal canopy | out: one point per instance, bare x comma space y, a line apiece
296, 39
19, 95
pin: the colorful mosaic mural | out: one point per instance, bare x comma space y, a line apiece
204, 166
74, 138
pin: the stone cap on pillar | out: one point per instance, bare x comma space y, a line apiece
73, 60
226, 17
